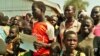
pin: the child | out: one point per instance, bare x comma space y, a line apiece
55, 49
70, 41
12, 41
41, 30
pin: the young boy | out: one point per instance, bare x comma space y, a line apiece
41, 30
70, 41
13, 41
55, 49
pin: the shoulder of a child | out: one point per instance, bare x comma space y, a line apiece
82, 54
79, 24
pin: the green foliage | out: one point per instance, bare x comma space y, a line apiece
79, 4
30, 0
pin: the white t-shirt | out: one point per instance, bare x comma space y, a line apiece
50, 31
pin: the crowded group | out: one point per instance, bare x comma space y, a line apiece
73, 33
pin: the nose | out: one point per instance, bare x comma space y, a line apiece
72, 42
66, 12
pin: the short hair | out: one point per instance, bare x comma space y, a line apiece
54, 16
80, 12
86, 18
73, 7
29, 14
15, 27
1, 14
94, 9
48, 18
66, 34
55, 49
40, 5
4, 20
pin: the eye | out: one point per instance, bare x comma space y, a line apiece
87, 25
95, 12
72, 40
11, 32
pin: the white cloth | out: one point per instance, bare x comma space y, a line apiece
50, 31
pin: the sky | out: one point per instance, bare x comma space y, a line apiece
92, 3
23, 4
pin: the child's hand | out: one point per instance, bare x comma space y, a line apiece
37, 45
11, 52
40, 44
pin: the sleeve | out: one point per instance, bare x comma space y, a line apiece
3, 34
2, 46
50, 32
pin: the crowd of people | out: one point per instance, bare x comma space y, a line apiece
68, 34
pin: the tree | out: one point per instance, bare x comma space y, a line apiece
30, 0
79, 4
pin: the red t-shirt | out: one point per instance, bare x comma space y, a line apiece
96, 30
39, 30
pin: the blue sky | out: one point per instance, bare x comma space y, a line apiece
92, 3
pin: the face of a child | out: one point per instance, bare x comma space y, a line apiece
96, 15
15, 21
87, 26
37, 13
71, 41
13, 32
54, 20
69, 12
